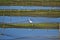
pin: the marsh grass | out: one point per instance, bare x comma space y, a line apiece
26, 0
35, 13
34, 25
30, 2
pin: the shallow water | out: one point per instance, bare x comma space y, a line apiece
29, 34
28, 7
24, 19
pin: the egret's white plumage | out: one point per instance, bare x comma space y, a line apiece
30, 21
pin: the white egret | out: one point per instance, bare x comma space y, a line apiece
30, 21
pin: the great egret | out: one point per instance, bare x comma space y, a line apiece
30, 21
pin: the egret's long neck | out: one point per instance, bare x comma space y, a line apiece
29, 19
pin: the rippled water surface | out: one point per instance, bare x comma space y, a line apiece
24, 19
29, 7
29, 34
